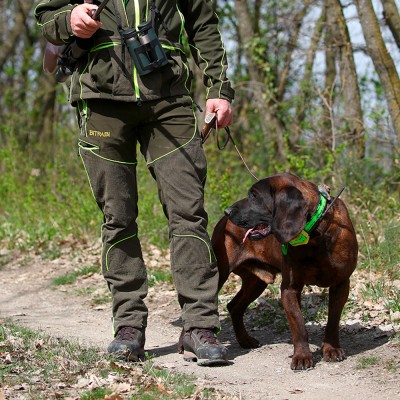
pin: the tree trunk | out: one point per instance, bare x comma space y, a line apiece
340, 41
292, 44
382, 60
268, 120
328, 95
46, 114
392, 18
306, 83
13, 37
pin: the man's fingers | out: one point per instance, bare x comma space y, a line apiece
82, 24
226, 118
223, 109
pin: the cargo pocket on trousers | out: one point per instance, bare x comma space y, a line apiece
87, 147
190, 249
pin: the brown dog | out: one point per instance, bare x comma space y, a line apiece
266, 233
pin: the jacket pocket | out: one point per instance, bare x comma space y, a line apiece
122, 66
109, 70
170, 80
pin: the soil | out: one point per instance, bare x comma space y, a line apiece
81, 311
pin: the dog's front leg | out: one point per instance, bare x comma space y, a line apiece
302, 356
251, 289
338, 295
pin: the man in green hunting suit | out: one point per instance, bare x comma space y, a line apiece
121, 103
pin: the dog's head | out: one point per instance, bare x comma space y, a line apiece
274, 205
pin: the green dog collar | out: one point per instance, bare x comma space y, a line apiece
304, 235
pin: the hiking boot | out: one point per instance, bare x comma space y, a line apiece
203, 347
128, 344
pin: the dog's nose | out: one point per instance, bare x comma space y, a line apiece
228, 211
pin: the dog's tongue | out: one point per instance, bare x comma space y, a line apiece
247, 234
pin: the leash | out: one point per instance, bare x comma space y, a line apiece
331, 203
210, 122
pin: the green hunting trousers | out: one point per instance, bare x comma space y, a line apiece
168, 137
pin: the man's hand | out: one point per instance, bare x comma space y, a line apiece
223, 109
82, 24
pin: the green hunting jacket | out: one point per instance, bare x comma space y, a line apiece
107, 71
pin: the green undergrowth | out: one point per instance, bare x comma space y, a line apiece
46, 197
38, 367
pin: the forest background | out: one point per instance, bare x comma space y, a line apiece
317, 94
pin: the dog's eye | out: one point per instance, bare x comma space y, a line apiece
252, 194
254, 197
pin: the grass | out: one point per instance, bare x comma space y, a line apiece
51, 187
392, 365
382, 291
71, 277
41, 367
367, 362
57, 198
379, 244
98, 393
48, 199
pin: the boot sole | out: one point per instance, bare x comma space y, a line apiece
128, 356
204, 362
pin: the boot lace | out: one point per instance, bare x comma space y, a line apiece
206, 336
127, 333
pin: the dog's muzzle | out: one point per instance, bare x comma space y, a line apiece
258, 232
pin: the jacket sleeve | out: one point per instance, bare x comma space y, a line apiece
207, 47
54, 19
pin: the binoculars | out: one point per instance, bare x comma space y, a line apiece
67, 61
145, 48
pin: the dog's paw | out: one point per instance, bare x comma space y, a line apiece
302, 361
332, 354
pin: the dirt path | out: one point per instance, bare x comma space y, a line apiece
28, 298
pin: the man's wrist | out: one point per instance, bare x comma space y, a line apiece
226, 93
68, 22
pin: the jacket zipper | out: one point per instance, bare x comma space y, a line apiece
135, 73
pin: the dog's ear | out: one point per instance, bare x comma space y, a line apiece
290, 213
